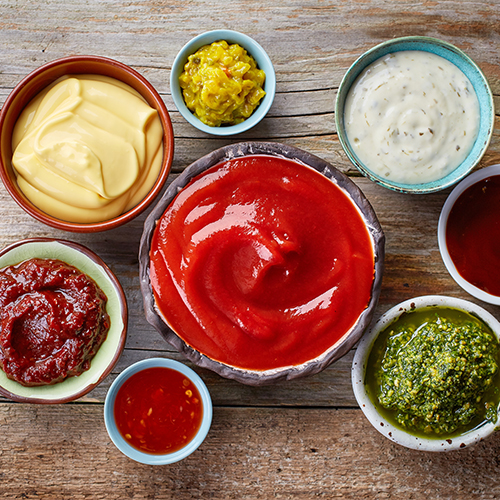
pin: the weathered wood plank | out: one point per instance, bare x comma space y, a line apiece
300, 439
249, 453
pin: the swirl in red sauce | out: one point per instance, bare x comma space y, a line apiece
261, 262
53, 320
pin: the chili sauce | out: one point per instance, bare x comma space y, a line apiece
158, 410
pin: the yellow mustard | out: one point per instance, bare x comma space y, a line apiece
222, 84
87, 148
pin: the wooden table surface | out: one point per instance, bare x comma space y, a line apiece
300, 439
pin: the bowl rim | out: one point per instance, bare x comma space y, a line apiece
254, 377
254, 49
49, 248
359, 364
153, 99
470, 180
154, 459
446, 50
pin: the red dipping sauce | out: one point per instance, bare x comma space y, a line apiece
53, 320
158, 410
473, 235
261, 262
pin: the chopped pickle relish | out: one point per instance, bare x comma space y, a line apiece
221, 84
435, 372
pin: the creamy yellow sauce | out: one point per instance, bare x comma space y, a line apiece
87, 149
411, 117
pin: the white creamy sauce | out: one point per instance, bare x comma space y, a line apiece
411, 117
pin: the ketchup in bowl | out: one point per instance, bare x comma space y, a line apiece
261, 263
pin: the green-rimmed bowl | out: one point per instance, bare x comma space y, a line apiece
108, 354
456, 57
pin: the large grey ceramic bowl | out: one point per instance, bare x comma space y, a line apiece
255, 377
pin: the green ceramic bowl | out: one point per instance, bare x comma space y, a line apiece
109, 352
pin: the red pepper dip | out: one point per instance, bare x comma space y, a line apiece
52, 321
158, 410
261, 262
473, 234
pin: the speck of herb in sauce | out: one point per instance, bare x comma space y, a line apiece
435, 372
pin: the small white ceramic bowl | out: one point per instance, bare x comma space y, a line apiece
456, 57
108, 354
146, 458
469, 181
371, 412
254, 49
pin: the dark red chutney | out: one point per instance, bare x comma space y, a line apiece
52, 321
261, 262
158, 410
473, 235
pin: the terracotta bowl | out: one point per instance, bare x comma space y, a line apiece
251, 377
108, 354
35, 82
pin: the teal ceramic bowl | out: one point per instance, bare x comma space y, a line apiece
134, 453
110, 351
456, 57
254, 49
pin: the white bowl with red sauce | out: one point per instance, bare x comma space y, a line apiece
158, 411
469, 234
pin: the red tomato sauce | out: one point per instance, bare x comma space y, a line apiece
158, 410
53, 320
261, 262
473, 235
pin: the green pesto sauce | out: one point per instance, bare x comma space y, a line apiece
435, 372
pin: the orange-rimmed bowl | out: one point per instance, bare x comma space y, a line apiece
38, 80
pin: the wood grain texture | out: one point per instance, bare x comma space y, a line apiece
249, 453
301, 439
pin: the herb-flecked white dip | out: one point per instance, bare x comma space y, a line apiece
411, 117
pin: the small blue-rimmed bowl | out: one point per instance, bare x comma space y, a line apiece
134, 453
459, 59
254, 49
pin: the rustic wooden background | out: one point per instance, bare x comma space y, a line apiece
301, 439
